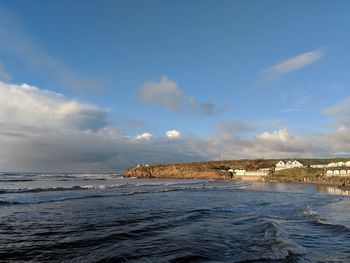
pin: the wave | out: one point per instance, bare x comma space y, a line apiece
39, 200
57, 189
96, 187
273, 244
58, 176
333, 228
52, 198
16, 180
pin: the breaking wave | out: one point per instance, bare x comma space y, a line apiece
272, 243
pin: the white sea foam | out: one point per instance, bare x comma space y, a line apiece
308, 211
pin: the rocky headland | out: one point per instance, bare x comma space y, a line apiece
220, 170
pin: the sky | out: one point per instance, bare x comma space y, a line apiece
97, 86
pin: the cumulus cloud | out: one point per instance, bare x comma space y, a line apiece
276, 144
282, 141
144, 136
334, 143
166, 93
172, 134
4, 75
279, 135
19, 43
27, 106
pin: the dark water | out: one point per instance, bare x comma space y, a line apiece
104, 218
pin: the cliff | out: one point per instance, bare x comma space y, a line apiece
175, 172
218, 170
196, 170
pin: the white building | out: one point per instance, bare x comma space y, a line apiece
240, 172
340, 164
329, 173
338, 172
257, 173
332, 165
288, 165
319, 165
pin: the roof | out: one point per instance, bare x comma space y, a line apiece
289, 160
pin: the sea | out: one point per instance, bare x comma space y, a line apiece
108, 218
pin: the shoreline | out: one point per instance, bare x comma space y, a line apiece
226, 170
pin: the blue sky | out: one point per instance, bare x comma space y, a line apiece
218, 73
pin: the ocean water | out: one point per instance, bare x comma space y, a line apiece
106, 218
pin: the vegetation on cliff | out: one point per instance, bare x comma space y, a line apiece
296, 175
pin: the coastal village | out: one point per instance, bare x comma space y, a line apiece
328, 170
332, 171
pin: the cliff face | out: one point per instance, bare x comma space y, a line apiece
218, 170
176, 172
198, 170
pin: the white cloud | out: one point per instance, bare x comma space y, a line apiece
295, 63
279, 135
167, 94
144, 136
4, 75
28, 106
280, 142
172, 134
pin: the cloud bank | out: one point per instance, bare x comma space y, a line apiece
43, 131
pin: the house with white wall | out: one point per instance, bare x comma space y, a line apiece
240, 172
339, 164
288, 165
332, 165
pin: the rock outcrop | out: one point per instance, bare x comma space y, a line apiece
177, 171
